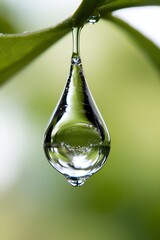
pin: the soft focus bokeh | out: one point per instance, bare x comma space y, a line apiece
120, 202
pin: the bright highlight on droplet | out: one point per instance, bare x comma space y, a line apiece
77, 141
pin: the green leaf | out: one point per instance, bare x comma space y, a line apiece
17, 50
119, 4
148, 47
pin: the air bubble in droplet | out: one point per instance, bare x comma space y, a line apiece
77, 141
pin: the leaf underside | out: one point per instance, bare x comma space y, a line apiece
110, 6
149, 49
17, 50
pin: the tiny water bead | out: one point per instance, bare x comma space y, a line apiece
77, 141
94, 18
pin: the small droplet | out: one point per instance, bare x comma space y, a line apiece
94, 18
77, 141
76, 182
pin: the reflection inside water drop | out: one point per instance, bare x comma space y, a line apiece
94, 18
77, 141
77, 152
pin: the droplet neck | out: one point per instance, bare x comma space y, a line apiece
76, 41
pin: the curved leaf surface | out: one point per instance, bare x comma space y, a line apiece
148, 47
17, 50
120, 4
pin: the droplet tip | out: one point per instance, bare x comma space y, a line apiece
76, 182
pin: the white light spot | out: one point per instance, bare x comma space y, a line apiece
13, 139
144, 19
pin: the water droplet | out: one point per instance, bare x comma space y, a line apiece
77, 141
94, 18
76, 182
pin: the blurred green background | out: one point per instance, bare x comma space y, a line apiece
120, 202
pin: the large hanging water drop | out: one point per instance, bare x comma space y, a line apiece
77, 141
